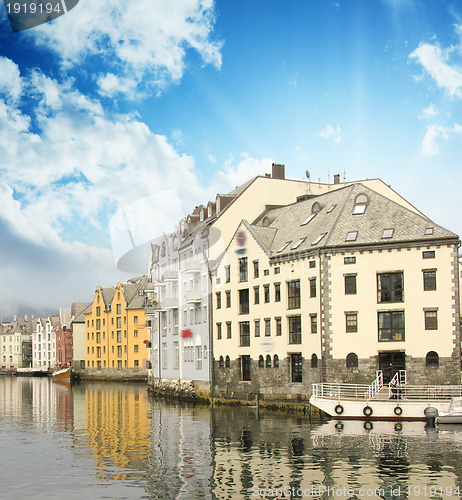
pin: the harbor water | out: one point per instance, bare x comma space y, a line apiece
113, 441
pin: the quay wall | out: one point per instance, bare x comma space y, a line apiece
135, 374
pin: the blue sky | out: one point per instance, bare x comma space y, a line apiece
116, 102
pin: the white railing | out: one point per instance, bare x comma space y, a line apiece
376, 385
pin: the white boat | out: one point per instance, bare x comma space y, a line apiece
453, 415
378, 401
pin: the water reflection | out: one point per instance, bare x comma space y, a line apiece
113, 441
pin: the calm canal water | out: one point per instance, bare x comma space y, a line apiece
112, 441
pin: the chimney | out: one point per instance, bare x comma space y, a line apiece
26, 317
15, 317
278, 171
337, 179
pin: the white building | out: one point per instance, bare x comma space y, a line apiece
44, 342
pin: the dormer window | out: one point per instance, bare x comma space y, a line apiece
202, 214
388, 233
310, 217
284, 246
351, 236
299, 242
361, 202
318, 239
316, 208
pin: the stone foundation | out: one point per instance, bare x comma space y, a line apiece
186, 390
135, 374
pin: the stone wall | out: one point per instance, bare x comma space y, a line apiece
139, 374
186, 390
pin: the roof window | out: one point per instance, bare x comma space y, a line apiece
361, 202
299, 242
318, 239
310, 217
388, 233
428, 231
351, 236
331, 208
284, 246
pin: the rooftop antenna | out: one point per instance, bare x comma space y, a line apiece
328, 177
344, 175
307, 173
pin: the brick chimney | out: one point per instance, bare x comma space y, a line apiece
337, 179
278, 171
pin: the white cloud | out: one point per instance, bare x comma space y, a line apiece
138, 41
436, 62
436, 133
429, 112
332, 134
10, 80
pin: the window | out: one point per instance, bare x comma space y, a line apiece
349, 260
277, 292
432, 359
227, 362
331, 208
277, 270
266, 292
387, 233
244, 301
318, 239
284, 246
267, 327
276, 361
312, 287
261, 361
221, 362
98, 310
295, 329
243, 271
119, 336
314, 323
266, 272
352, 360
245, 368
135, 348
228, 298
218, 294
256, 269
135, 319
390, 287
351, 236
429, 279
204, 314
296, 367
312, 264
278, 326
98, 337
198, 357
351, 322
98, 352
256, 293
119, 308
228, 329
218, 331
119, 351
431, 320
429, 254
428, 231
391, 326
294, 295
310, 218
257, 328
268, 361
359, 209
119, 322
227, 274
244, 333
350, 284
176, 355
314, 361
299, 242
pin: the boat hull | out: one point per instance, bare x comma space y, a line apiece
65, 375
450, 418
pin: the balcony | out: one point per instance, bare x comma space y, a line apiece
192, 267
170, 304
151, 309
170, 276
193, 297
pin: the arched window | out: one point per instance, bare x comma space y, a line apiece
276, 361
221, 363
314, 361
361, 202
432, 359
163, 250
261, 362
205, 352
352, 360
227, 362
268, 361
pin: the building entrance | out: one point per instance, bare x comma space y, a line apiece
390, 363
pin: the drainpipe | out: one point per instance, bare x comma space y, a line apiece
211, 354
321, 322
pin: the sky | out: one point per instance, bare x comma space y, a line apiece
117, 109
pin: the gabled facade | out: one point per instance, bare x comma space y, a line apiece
78, 310
44, 342
16, 343
64, 339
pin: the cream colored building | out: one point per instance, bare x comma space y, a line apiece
333, 287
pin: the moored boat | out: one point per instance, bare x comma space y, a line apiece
378, 401
453, 415
64, 375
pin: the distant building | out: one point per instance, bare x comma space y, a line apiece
64, 339
16, 343
78, 310
44, 342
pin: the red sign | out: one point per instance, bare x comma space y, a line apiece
186, 333
240, 238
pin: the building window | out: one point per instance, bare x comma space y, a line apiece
314, 323
218, 331
352, 360
119, 336
431, 320
351, 236
432, 359
228, 329
228, 298
135, 333
295, 330
164, 355
218, 294
278, 327
296, 367
243, 271
351, 321
227, 362
119, 322
388, 233
261, 361
176, 355
119, 351
390, 287
268, 361
245, 368
256, 269
293, 294
312, 287
98, 337
266, 272
350, 284
198, 357
98, 310
430, 254
276, 361
119, 307
227, 274
349, 260
277, 270
256, 293
314, 361
267, 327
244, 333
136, 363
244, 301
360, 205
266, 293
277, 292
135, 319
257, 328
391, 326
221, 362
429, 279
312, 264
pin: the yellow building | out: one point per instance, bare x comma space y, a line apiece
115, 330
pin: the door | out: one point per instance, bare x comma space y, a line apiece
390, 363
245, 360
